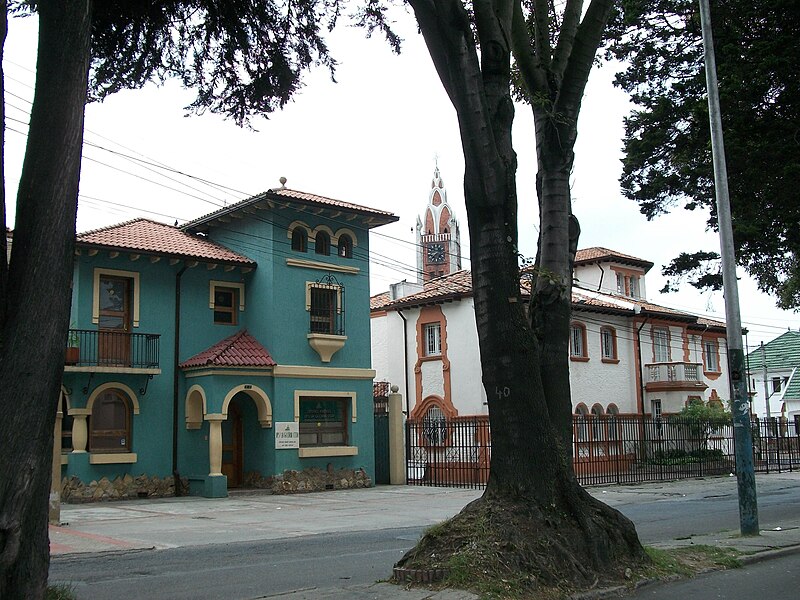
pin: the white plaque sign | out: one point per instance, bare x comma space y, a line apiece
287, 435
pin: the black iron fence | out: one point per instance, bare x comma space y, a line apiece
93, 348
606, 449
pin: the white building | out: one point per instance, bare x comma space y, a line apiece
628, 356
774, 377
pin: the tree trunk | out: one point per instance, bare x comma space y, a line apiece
37, 301
534, 520
3, 242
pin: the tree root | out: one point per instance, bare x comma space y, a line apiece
496, 538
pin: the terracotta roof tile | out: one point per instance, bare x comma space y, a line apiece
144, 235
597, 253
454, 285
381, 217
459, 284
239, 350
378, 300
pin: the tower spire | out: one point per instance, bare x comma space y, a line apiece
438, 235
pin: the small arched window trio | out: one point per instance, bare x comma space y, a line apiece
322, 243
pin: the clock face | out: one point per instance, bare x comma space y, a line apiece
436, 253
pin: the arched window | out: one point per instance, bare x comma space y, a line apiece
110, 423
613, 422
582, 431
597, 414
322, 243
608, 344
434, 426
299, 239
345, 246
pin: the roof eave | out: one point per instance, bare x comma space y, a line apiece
171, 255
375, 219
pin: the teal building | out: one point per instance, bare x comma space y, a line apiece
231, 351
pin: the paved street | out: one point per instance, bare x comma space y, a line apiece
777, 579
338, 544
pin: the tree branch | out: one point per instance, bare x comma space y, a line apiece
525, 55
541, 32
566, 38
580, 60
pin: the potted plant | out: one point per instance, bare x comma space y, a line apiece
73, 354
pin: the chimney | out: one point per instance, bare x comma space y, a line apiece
403, 288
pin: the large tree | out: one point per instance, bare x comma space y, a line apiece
667, 147
534, 523
243, 58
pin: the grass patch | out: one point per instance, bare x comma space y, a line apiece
60, 592
689, 561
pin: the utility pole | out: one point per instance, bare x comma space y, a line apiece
742, 434
766, 390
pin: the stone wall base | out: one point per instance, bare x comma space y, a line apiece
309, 480
73, 490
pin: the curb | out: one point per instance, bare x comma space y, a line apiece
621, 590
749, 559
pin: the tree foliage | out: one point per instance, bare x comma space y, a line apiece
667, 145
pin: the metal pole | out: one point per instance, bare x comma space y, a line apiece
742, 434
766, 389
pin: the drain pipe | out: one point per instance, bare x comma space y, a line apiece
405, 355
637, 310
176, 360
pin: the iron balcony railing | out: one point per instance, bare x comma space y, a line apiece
93, 348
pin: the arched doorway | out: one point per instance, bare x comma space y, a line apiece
233, 445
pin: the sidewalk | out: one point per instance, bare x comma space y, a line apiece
173, 522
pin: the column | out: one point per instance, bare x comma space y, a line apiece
397, 450
215, 444
80, 433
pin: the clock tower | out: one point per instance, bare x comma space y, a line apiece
438, 235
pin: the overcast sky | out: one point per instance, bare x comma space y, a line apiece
373, 139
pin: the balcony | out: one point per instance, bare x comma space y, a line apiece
89, 350
680, 376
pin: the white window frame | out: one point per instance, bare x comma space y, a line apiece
634, 286
608, 345
711, 349
656, 408
661, 343
577, 346
432, 339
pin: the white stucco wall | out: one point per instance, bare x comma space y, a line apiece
604, 279
594, 381
387, 345
591, 382
469, 397
759, 406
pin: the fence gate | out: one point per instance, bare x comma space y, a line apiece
381, 415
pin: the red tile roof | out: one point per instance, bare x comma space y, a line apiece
379, 300
446, 287
459, 285
151, 237
295, 198
239, 350
597, 254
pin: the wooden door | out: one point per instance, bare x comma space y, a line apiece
232, 447
114, 343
